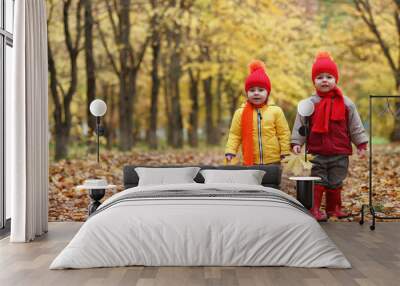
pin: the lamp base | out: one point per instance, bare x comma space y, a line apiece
96, 195
305, 193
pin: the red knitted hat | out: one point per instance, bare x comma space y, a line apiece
324, 64
257, 76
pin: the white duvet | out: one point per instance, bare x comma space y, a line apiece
183, 231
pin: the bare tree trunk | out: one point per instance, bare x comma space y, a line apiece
233, 98
154, 98
177, 131
219, 109
154, 105
167, 100
110, 120
112, 134
156, 47
60, 146
208, 98
90, 64
173, 78
107, 122
135, 127
62, 142
167, 94
125, 102
194, 112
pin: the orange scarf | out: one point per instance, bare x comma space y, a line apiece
247, 133
326, 111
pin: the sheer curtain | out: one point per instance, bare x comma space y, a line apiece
27, 124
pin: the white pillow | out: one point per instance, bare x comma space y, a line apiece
165, 176
248, 177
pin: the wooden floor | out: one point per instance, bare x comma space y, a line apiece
374, 255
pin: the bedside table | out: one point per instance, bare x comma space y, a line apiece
305, 190
96, 193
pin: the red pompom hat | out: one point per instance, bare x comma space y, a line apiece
257, 76
324, 64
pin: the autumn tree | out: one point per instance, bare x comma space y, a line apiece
388, 43
62, 94
172, 61
125, 62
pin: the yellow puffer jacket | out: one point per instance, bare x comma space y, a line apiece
275, 134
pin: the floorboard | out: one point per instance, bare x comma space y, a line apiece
374, 255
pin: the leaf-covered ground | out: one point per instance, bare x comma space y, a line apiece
68, 204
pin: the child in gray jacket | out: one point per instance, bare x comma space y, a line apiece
334, 125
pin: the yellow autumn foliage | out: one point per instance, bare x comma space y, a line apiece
286, 35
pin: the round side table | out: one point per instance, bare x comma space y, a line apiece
305, 190
96, 193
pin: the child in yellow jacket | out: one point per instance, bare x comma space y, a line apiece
258, 125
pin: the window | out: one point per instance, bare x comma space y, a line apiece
6, 44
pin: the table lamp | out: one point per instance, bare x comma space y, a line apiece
98, 108
305, 108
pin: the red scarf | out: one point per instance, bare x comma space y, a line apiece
247, 133
326, 111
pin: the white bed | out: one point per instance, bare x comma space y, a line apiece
265, 229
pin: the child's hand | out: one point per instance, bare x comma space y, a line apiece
361, 153
296, 149
229, 157
362, 150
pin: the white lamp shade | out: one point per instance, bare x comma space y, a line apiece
305, 107
98, 107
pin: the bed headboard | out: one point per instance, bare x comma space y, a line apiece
272, 177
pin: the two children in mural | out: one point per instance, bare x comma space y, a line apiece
261, 128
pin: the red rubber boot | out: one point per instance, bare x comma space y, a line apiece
315, 211
334, 203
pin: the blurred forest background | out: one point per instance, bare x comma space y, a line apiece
172, 71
